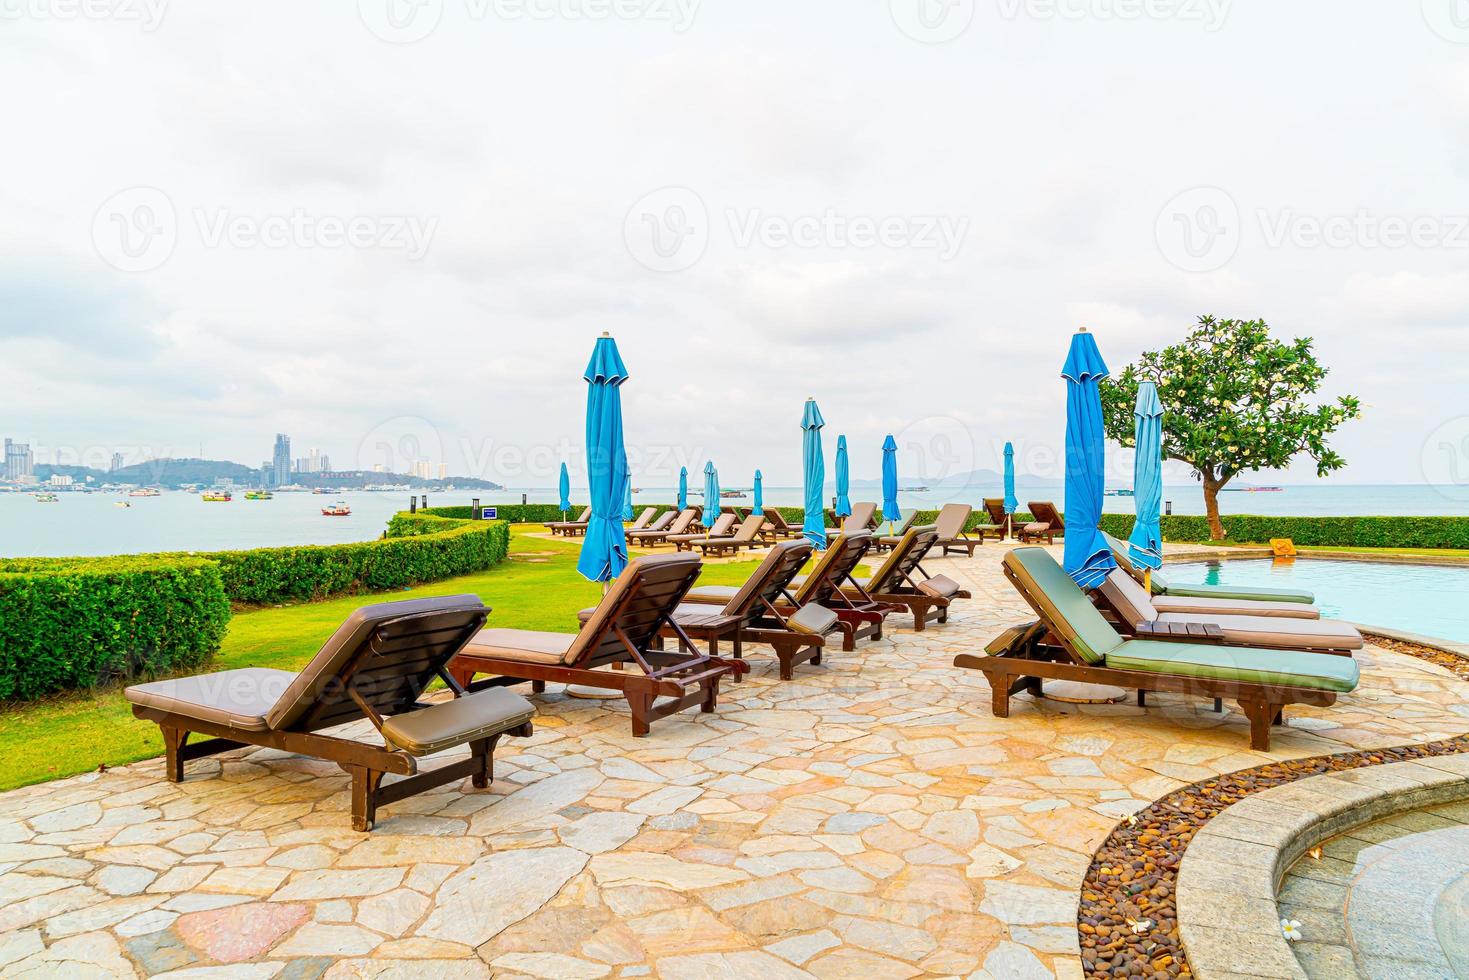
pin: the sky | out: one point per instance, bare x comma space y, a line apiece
394, 228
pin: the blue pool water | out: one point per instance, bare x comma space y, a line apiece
1432, 600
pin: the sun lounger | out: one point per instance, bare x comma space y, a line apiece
760, 611
859, 520
1073, 642
1000, 522
860, 615
374, 667
1191, 598
679, 525
644, 519
745, 536
623, 631
571, 529
926, 597
723, 524
908, 517
660, 523
950, 525
1134, 610
776, 527
1047, 523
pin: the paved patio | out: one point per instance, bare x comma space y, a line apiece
869, 819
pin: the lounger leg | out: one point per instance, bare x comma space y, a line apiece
786, 654
711, 696
1142, 699
999, 694
484, 750
364, 796
538, 687
173, 744
1219, 706
1260, 715
642, 712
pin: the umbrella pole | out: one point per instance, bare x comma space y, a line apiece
1148, 580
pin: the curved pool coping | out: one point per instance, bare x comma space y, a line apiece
1417, 639
1228, 917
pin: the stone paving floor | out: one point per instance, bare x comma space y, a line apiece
869, 819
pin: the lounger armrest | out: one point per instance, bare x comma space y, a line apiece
1016, 639
460, 721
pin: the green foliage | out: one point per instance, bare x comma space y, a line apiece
79, 622
1312, 532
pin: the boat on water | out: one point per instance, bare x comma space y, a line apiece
338, 509
218, 496
45, 498
913, 489
321, 491
121, 503
735, 494
259, 495
145, 492
1120, 493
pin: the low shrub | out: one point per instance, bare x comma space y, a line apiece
79, 622
516, 513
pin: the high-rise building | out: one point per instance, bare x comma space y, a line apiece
281, 460
19, 463
313, 462
422, 469
116, 462
443, 471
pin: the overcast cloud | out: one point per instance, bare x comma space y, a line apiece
361, 223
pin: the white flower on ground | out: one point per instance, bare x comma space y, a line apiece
1291, 928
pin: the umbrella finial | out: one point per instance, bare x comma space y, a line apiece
1078, 330
606, 334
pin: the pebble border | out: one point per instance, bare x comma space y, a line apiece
1127, 920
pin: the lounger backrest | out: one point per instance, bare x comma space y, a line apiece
721, 527
1061, 604
681, 523
1046, 512
995, 508
387, 652
841, 558
951, 520
1127, 597
906, 517
770, 578
859, 519
776, 520
1124, 562
643, 519
911, 549
749, 527
664, 519
636, 605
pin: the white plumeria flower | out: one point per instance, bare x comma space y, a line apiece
1291, 928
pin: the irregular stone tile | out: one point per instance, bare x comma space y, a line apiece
396, 851
87, 955
392, 913
660, 869
535, 802
159, 952
408, 969
597, 833
240, 932
474, 905
711, 966
799, 949
260, 881
1011, 960
551, 965
313, 886
322, 939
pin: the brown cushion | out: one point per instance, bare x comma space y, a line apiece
1283, 634
530, 646
233, 698
1239, 607
712, 593
940, 587
812, 619
450, 723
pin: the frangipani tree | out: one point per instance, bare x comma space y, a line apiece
1234, 401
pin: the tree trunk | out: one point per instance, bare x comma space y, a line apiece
1212, 486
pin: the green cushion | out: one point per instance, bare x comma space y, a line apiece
1277, 668
1092, 636
1201, 591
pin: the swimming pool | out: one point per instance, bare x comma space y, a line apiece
1425, 599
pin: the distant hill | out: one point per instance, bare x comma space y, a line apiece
972, 478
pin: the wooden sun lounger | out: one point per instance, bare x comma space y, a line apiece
745, 536
887, 542
1047, 523
1000, 522
776, 527
644, 519
1224, 599
926, 597
753, 614
1136, 615
723, 524
861, 519
1073, 642
571, 529
950, 525
858, 614
375, 666
661, 523
623, 632
679, 525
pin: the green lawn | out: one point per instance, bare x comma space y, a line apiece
538, 588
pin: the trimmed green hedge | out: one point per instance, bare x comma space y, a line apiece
1312, 532
514, 513
80, 622
420, 548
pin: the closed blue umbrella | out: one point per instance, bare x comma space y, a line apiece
604, 549
683, 488
1088, 557
711, 494
565, 487
890, 480
1011, 504
814, 470
844, 480
627, 511
1145, 546
759, 493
